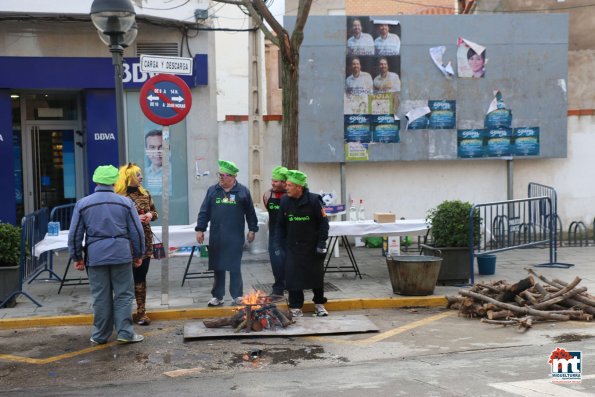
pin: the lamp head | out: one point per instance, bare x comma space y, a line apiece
112, 17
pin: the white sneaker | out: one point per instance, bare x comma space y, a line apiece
136, 338
215, 302
296, 312
320, 310
239, 301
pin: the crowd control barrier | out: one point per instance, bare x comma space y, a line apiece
511, 224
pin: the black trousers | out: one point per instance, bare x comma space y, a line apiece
140, 273
296, 297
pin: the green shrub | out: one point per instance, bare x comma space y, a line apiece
450, 224
10, 244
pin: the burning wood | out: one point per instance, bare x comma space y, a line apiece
256, 314
525, 302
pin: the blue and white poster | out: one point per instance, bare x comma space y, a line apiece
526, 141
443, 114
357, 128
385, 128
499, 142
470, 143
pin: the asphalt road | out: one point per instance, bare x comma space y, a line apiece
421, 352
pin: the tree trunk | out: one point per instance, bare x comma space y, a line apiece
290, 82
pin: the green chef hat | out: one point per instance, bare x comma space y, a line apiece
105, 175
227, 167
279, 173
297, 177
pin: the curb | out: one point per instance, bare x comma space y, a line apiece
188, 314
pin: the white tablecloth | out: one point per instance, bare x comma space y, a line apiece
185, 236
179, 236
405, 227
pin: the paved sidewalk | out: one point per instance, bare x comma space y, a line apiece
344, 291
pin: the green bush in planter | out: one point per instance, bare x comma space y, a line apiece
450, 224
10, 244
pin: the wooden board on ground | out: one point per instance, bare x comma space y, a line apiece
333, 324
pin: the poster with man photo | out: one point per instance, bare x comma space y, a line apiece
153, 172
387, 38
471, 59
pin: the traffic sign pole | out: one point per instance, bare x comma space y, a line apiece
165, 218
165, 100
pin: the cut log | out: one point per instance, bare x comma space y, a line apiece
495, 315
558, 299
515, 289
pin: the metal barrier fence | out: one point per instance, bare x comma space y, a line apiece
511, 224
539, 190
34, 226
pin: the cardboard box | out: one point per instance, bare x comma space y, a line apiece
384, 217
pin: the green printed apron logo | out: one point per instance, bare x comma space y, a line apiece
273, 206
295, 218
226, 200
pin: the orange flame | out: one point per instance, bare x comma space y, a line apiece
254, 298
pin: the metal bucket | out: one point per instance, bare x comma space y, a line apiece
413, 275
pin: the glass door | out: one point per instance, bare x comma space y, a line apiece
53, 176
52, 152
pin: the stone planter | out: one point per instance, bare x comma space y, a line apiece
9, 283
455, 267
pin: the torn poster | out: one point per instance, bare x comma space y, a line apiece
436, 53
471, 59
417, 118
497, 115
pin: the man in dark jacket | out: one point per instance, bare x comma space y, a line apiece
226, 205
272, 200
109, 225
303, 228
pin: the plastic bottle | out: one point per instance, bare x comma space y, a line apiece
352, 212
361, 211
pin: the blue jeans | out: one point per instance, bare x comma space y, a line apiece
278, 267
235, 284
113, 292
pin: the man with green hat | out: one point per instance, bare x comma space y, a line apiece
227, 206
303, 228
114, 240
272, 200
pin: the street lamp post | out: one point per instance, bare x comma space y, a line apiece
115, 22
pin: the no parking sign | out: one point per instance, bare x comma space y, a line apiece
165, 99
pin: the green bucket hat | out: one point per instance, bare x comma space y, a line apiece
227, 167
106, 175
297, 177
279, 173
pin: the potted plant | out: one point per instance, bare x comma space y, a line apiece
449, 228
10, 249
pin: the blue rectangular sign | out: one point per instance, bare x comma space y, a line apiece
77, 73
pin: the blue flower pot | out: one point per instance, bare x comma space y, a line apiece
486, 264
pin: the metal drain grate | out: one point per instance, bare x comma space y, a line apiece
268, 288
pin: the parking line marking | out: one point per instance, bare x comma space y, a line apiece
41, 361
406, 327
386, 334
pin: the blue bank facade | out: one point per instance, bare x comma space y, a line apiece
58, 123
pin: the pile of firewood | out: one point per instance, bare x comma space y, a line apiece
258, 313
525, 302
